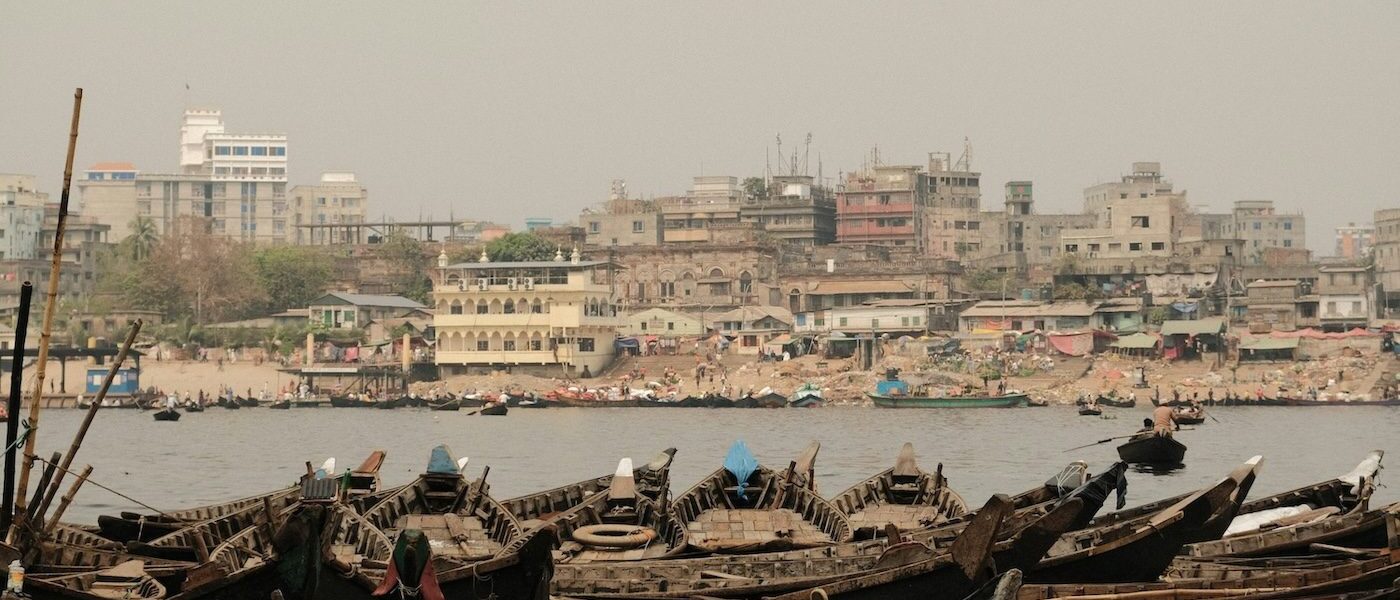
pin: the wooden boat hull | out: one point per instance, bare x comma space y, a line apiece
168, 414
494, 410
280, 405
1007, 401
1089, 412
1153, 450
1116, 402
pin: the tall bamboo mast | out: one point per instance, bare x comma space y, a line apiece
50, 303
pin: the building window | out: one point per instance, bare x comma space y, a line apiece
455, 309
1287, 243
536, 307
536, 345
1159, 245
884, 199
904, 321
841, 322
874, 323
481, 308
670, 326
1258, 225
278, 150
509, 346
1142, 222
259, 150
1093, 247
594, 227
644, 325
668, 289
638, 226
914, 321
482, 345
1071, 247
1135, 246
240, 151
585, 344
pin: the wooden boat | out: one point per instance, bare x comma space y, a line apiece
477, 546
229, 405
168, 414
534, 402
1314, 576
651, 480
1332, 512
1037, 403
126, 580
744, 507
1069, 492
1153, 450
497, 409
619, 524
807, 396
771, 399
882, 568
128, 526
451, 405
349, 402
388, 403
283, 404
904, 495
1140, 549
248, 402
194, 408
1004, 401
1188, 415
1115, 401
1090, 411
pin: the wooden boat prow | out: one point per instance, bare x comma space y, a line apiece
904, 496
652, 480
744, 507
619, 525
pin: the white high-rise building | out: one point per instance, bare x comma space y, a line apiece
206, 149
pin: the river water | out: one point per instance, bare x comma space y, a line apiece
221, 454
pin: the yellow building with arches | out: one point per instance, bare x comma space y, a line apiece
554, 318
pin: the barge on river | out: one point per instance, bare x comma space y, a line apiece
894, 392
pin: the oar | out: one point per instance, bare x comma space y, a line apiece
1113, 438
1100, 442
1207, 413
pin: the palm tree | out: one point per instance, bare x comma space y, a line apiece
143, 237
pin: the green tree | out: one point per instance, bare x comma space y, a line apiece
755, 188
406, 257
291, 276
515, 247
988, 280
143, 237
1071, 291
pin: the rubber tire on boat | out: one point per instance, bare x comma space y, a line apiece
614, 536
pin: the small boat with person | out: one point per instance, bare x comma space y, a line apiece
807, 396
1153, 450
169, 414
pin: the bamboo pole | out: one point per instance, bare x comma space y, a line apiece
49, 467
51, 303
7, 500
87, 419
67, 499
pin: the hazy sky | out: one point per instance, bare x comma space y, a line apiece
506, 110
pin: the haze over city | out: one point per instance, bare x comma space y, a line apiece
505, 111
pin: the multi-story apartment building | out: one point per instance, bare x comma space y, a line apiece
1261, 228
338, 199
951, 224
1354, 242
234, 185
1387, 257
552, 317
708, 213
796, 209
622, 221
881, 205
21, 217
1135, 217
1345, 296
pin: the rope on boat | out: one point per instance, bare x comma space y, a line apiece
19, 439
119, 494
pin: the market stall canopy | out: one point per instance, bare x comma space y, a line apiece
1269, 343
1136, 341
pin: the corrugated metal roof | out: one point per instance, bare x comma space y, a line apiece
1269, 343
368, 300
1213, 325
861, 287
1030, 309
1136, 341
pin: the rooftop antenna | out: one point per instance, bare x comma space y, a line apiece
806, 152
780, 153
965, 161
